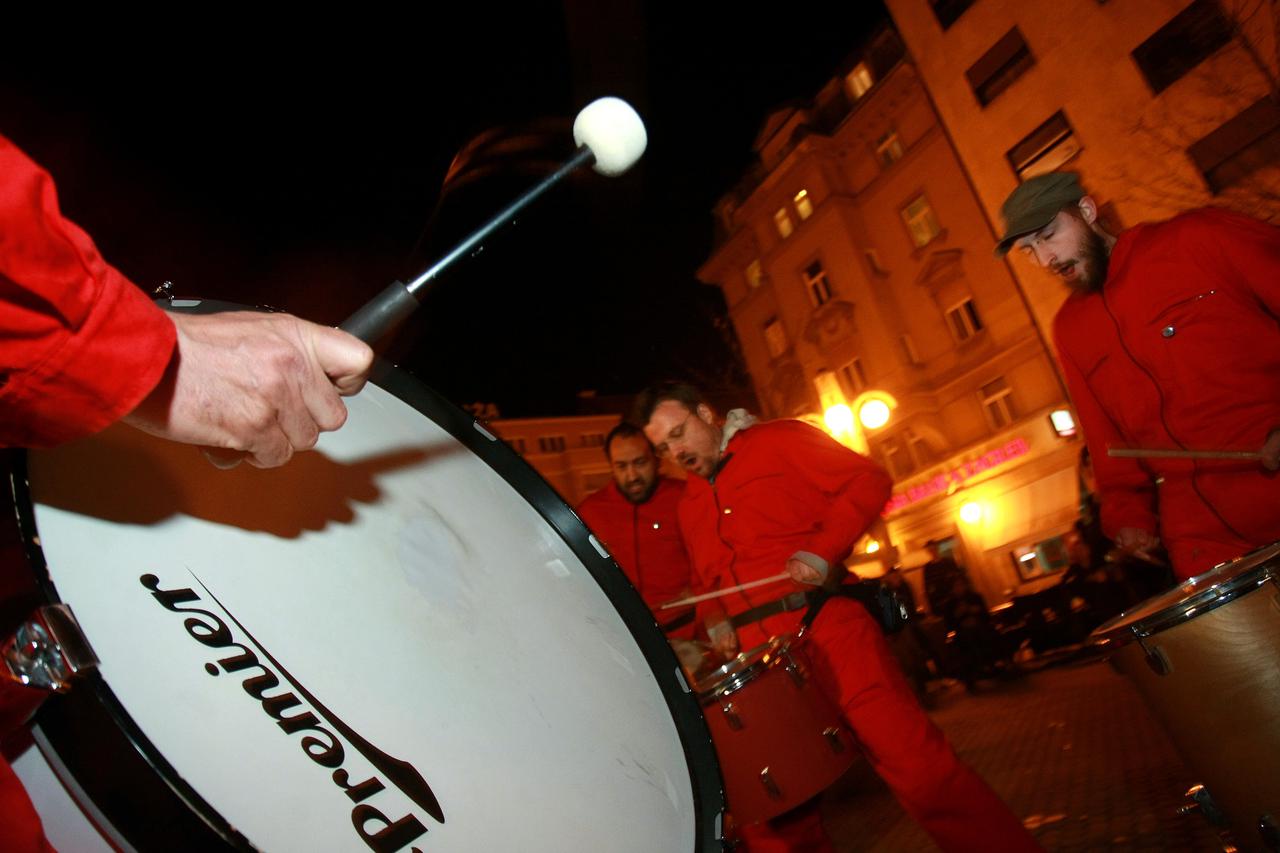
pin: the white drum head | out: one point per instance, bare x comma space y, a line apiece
452, 666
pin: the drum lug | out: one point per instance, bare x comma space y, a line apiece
796, 673
1156, 658
770, 786
832, 734
731, 716
48, 651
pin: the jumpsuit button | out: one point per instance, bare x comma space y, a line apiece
728, 511
1167, 331
655, 525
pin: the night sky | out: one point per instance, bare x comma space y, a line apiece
301, 167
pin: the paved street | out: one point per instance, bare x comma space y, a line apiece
1073, 751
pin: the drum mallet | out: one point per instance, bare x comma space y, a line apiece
706, 596
610, 136
1160, 453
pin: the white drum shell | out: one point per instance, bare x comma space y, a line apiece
413, 592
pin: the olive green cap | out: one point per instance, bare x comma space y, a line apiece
1034, 204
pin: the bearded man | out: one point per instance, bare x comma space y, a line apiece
1169, 340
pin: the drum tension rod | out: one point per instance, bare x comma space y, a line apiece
1156, 658
48, 651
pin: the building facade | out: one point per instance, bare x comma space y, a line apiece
1160, 105
856, 261
567, 451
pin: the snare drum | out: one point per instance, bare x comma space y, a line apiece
1206, 657
401, 640
779, 740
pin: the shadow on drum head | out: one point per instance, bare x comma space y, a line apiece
127, 477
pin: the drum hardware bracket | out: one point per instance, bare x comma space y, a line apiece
48, 651
1156, 658
797, 674
731, 716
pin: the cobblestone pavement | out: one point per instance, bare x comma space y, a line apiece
1071, 749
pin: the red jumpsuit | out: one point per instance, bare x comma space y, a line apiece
645, 540
785, 487
80, 346
1181, 349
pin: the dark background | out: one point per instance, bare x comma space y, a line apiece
299, 164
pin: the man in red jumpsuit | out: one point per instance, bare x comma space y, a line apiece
635, 518
82, 347
1170, 340
784, 496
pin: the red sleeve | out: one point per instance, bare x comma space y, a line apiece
80, 345
855, 489
1125, 489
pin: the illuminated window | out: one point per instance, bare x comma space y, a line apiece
775, 338
997, 403
921, 453
815, 282
1044, 149
804, 207
873, 261
859, 81
754, 274
1240, 146
591, 439
1041, 558
551, 443
517, 444
889, 148
897, 461
964, 320
853, 378
1189, 38
998, 68
782, 220
920, 221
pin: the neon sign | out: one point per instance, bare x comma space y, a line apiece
956, 476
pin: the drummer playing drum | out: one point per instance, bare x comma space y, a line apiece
1170, 343
783, 495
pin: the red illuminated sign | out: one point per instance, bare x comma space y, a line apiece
941, 483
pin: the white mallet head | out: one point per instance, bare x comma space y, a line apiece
614, 133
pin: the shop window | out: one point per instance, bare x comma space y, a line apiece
998, 68
1239, 147
804, 207
782, 221
889, 149
816, 284
859, 81
775, 338
1189, 38
1048, 147
921, 221
964, 321
948, 11
1040, 558
997, 402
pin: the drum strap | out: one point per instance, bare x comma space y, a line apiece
678, 622
793, 601
881, 602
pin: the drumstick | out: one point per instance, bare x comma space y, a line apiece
1160, 453
726, 591
610, 136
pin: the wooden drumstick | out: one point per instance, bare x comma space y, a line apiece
1155, 453
726, 591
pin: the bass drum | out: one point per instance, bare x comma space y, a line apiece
403, 640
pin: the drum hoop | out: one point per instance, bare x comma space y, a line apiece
1120, 630
686, 713
771, 654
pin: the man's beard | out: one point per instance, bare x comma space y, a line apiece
1094, 259
644, 496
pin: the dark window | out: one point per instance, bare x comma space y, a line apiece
1182, 44
1239, 147
996, 70
1044, 149
947, 11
